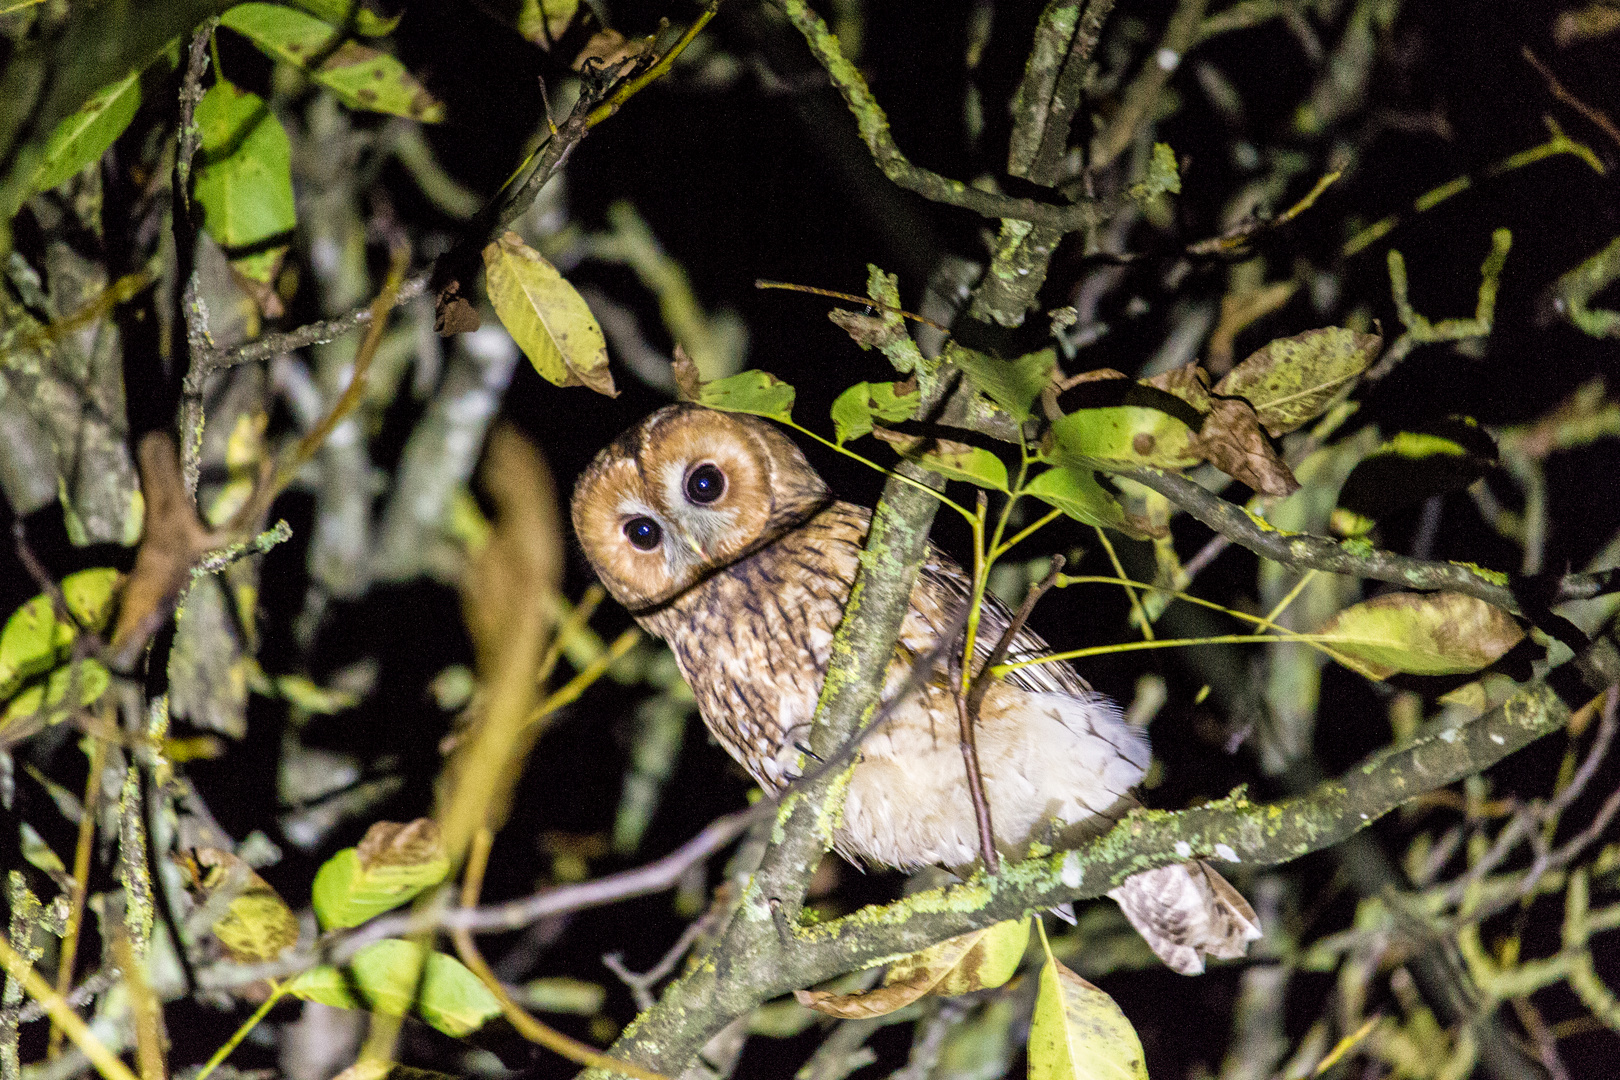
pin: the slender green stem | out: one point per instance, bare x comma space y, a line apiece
1293, 594
1025, 533
869, 463
276, 992
1136, 601
1089, 579
1163, 643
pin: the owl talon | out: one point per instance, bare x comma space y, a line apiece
805, 750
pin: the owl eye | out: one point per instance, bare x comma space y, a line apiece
643, 533
706, 484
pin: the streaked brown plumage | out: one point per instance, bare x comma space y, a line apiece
720, 538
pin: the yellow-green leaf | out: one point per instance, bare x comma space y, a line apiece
1293, 380
449, 997
1012, 384
981, 960
350, 13
857, 409
1078, 493
244, 177
1079, 1033
31, 643
1443, 633
392, 863
92, 680
89, 595
1138, 434
360, 76
79, 139
546, 316
958, 461
258, 926
543, 21
756, 392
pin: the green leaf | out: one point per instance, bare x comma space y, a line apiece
244, 178
546, 316
560, 994
1293, 380
450, 997
543, 21
31, 643
756, 392
1442, 633
1162, 175
1138, 434
79, 139
955, 461
1079, 1033
1078, 493
360, 76
93, 680
339, 13
304, 693
89, 595
856, 409
39, 854
392, 863
1012, 384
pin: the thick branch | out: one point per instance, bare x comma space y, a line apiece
1232, 830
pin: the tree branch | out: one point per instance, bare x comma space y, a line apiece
874, 130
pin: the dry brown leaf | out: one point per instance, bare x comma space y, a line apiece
173, 539
609, 47
1189, 382
1231, 440
688, 383
257, 925
393, 843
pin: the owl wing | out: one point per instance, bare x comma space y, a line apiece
951, 587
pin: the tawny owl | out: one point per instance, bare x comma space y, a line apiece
721, 539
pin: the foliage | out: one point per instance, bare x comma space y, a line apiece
276, 262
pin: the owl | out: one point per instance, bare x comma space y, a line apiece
718, 536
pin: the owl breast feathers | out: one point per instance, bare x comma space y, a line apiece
716, 533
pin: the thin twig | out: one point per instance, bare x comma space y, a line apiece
530, 1028
634, 86
873, 126
1556, 88
641, 984
81, 884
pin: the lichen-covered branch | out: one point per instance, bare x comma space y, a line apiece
1304, 551
874, 130
1050, 93
1232, 829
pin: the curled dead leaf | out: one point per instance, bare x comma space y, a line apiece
1231, 440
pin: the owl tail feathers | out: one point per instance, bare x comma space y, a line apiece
1188, 911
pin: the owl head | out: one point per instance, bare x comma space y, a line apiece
688, 491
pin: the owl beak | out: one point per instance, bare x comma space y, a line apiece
697, 547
